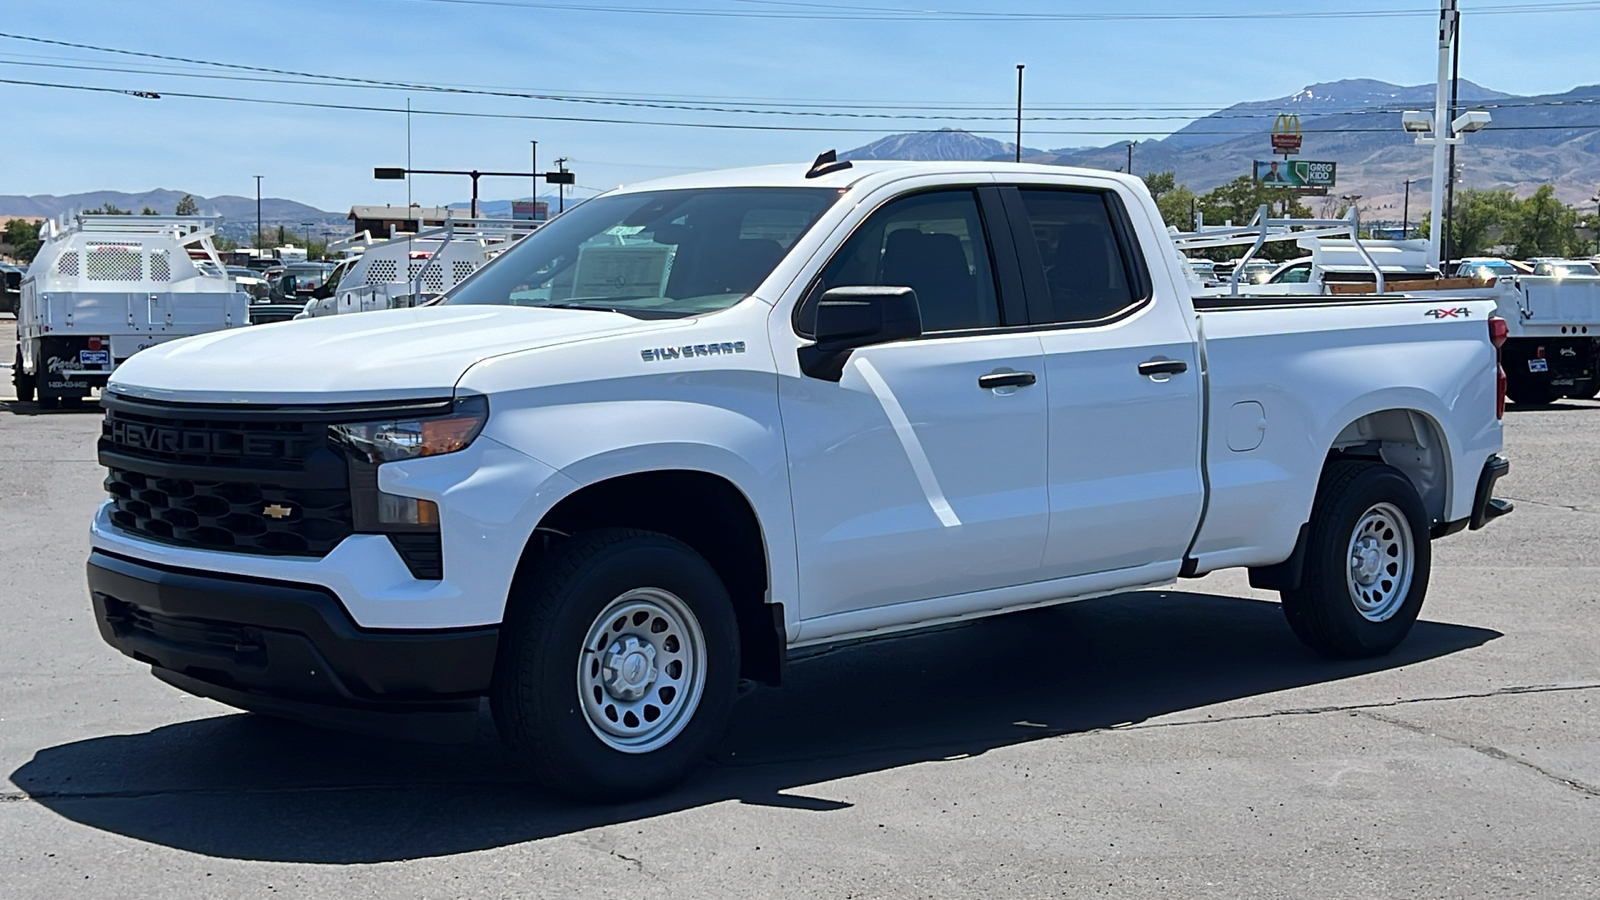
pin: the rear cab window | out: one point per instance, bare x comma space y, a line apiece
1082, 265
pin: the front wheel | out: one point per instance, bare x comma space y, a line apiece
618, 665
1366, 565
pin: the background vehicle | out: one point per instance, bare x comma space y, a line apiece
105, 287
694, 424
250, 281
1486, 267
1565, 268
413, 269
10, 288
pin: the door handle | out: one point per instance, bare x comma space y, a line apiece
1006, 379
1163, 367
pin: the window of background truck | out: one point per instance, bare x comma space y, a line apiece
932, 243
655, 254
1087, 265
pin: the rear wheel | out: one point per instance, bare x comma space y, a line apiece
1366, 565
23, 383
618, 665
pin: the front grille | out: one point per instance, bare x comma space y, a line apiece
230, 515
281, 446
272, 485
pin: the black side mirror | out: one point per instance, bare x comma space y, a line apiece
851, 317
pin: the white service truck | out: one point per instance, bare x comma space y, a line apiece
696, 424
412, 269
104, 287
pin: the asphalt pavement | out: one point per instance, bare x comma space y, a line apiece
1176, 743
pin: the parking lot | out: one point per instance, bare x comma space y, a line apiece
1165, 743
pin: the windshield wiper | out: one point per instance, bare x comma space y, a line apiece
635, 312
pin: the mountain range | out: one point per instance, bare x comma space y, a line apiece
1535, 140
235, 209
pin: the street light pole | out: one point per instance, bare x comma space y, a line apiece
1596, 199
561, 186
533, 157
1020, 67
1130, 156
1405, 221
1449, 16
258, 213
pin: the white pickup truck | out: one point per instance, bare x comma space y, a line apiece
695, 424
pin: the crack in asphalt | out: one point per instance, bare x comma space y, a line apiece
1513, 690
1488, 750
1548, 505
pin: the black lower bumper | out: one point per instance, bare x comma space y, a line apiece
1485, 507
291, 650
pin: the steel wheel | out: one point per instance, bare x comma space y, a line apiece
1382, 559
642, 670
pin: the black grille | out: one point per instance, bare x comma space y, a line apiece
230, 515
277, 446
251, 484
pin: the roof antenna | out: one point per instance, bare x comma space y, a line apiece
827, 162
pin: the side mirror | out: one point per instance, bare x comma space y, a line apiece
852, 317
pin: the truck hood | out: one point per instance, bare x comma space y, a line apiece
396, 354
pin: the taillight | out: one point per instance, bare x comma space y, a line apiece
1498, 332
94, 342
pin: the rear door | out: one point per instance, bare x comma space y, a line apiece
1123, 381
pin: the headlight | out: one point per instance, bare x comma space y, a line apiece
397, 439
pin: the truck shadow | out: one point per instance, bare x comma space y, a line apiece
249, 787
31, 408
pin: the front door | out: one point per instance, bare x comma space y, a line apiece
912, 479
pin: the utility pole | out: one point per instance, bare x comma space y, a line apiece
534, 168
1449, 17
1596, 199
1450, 183
561, 187
258, 212
1130, 156
1020, 67
1405, 221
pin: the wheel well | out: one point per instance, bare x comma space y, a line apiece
705, 511
1408, 440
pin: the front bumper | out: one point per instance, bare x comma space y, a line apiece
290, 649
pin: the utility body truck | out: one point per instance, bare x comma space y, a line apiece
414, 268
105, 287
694, 425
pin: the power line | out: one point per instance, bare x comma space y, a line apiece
887, 14
723, 126
941, 114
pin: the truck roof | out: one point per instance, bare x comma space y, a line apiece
873, 171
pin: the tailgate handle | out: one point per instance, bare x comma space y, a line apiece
1006, 379
1163, 367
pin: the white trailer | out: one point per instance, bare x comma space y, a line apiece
102, 288
412, 269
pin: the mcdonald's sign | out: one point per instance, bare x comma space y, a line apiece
1286, 134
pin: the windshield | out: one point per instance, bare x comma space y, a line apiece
657, 253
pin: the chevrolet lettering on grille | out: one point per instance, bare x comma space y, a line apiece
161, 439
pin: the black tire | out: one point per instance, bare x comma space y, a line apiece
538, 680
23, 383
1325, 611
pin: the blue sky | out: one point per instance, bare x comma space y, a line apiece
64, 141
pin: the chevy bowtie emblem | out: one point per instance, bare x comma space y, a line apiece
277, 512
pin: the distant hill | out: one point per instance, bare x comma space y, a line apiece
1355, 123
236, 209
944, 144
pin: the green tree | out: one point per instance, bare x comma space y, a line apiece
148, 211
1176, 201
1543, 226
1239, 200
1477, 220
108, 209
186, 206
23, 236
